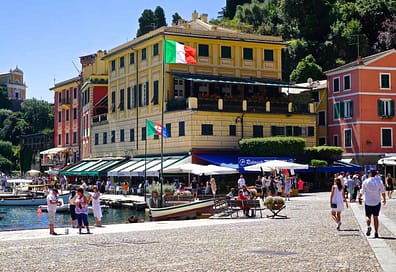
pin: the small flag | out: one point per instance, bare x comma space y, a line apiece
155, 129
179, 53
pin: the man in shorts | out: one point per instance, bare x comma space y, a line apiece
52, 203
372, 189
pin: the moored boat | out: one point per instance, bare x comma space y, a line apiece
64, 208
15, 200
183, 211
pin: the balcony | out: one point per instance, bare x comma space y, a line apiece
239, 105
99, 119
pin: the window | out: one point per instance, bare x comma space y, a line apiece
67, 138
156, 92
386, 107
178, 87
140, 95
289, 131
146, 93
143, 54
169, 129
348, 109
226, 52
322, 118
75, 113
311, 131
132, 58
113, 98
315, 96
182, 131
206, 129
335, 140
122, 97
96, 138
347, 82
248, 53
144, 135
67, 97
129, 98
232, 130
386, 137
134, 98
203, 50
122, 136
336, 111
322, 141
348, 137
113, 65
74, 137
122, 62
385, 81
155, 49
113, 135
297, 131
104, 137
75, 93
67, 115
268, 55
277, 131
131, 135
59, 139
258, 131
59, 116
336, 85
60, 98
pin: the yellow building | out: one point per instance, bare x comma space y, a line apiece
14, 82
233, 92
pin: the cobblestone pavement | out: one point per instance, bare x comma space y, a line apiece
306, 241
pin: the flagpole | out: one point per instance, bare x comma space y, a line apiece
162, 116
145, 163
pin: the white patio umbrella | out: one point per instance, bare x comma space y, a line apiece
199, 169
275, 165
33, 172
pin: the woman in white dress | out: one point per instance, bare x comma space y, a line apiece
337, 199
96, 207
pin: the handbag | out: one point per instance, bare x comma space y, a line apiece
333, 205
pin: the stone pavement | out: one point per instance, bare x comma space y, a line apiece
306, 241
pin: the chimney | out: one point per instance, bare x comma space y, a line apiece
195, 15
204, 17
359, 60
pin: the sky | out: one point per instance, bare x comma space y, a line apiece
45, 38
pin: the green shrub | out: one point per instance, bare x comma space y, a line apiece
272, 146
326, 153
318, 163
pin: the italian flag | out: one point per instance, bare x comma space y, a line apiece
179, 53
155, 129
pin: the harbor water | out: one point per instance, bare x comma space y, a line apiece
28, 217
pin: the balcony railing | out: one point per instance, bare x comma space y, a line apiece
99, 118
227, 105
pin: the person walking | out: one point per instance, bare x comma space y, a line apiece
97, 210
72, 208
389, 185
372, 190
81, 203
287, 188
241, 181
52, 204
337, 199
213, 187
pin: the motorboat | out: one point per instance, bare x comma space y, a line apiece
28, 200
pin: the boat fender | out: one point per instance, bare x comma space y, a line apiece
39, 211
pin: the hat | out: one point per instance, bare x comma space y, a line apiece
55, 190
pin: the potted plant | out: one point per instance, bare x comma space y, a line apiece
274, 203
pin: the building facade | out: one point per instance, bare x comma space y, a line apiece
93, 97
16, 88
361, 113
233, 92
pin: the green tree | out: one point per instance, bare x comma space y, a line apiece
150, 20
306, 68
6, 149
387, 38
39, 114
175, 18
231, 6
4, 102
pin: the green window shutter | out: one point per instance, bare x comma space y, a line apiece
392, 108
336, 110
380, 108
351, 103
342, 109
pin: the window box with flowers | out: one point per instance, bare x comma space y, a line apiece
274, 203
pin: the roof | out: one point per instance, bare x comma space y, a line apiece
200, 28
63, 83
361, 61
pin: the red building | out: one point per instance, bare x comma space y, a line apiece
361, 107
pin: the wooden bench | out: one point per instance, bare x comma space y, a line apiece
250, 205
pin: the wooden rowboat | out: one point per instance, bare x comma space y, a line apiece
183, 211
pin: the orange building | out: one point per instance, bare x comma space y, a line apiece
361, 107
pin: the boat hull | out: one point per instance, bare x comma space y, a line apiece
29, 201
187, 210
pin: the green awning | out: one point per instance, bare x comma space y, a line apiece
91, 168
